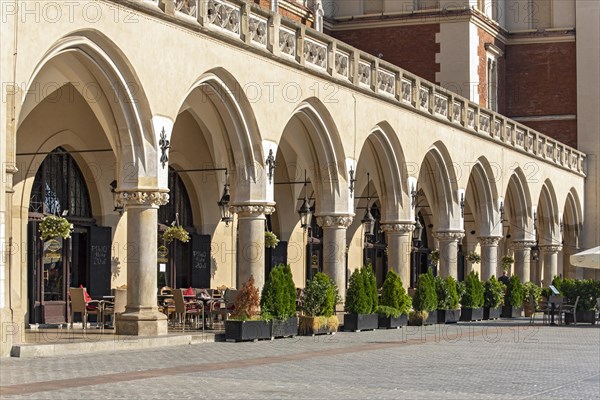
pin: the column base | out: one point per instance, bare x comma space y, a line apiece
142, 324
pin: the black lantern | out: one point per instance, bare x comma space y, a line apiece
118, 207
417, 233
304, 211
368, 222
224, 203
535, 252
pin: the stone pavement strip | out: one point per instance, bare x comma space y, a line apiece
498, 360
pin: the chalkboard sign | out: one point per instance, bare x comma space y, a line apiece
275, 256
200, 260
100, 260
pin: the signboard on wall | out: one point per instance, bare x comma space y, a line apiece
100, 260
200, 260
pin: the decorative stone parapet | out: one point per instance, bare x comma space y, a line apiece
143, 198
335, 221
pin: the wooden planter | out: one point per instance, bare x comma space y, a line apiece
239, 331
471, 314
448, 316
511, 312
285, 328
583, 317
393, 323
360, 322
309, 326
491, 313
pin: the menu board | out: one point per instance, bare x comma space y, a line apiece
100, 260
200, 260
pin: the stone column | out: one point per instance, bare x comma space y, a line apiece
334, 248
489, 256
251, 242
141, 316
550, 254
522, 249
448, 252
398, 238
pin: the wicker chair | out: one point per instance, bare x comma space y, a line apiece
85, 308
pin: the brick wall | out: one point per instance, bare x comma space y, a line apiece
564, 131
485, 37
300, 18
410, 47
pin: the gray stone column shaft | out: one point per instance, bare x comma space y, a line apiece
489, 256
550, 254
398, 239
251, 243
141, 316
522, 251
448, 241
334, 249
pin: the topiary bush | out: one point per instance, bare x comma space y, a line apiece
447, 296
514, 292
493, 293
320, 296
394, 296
370, 287
278, 298
247, 302
357, 301
425, 298
473, 296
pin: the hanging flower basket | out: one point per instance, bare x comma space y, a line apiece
271, 240
53, 226
473, 257
176, 232
507, 262
434, 256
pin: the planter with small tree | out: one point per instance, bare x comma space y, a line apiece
244, 323
472, 299
395, 303
493, 296
424, 301
513, 299
447, 300
278, 302
361, 301
531, 290
320, 298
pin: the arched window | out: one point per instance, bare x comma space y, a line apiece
59, 186
179, 203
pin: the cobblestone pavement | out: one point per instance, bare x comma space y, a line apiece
503, 360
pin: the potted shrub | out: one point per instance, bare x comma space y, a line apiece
395, 303
447, 300
425, 300
588, 291
278, 302
472, 299
244, 323
530, 290
493, 295
320, 298
361, 301
513, 299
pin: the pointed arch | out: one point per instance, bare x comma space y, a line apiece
481, 195
548, 215
518, 206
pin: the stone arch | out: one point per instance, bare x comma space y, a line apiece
548, 215
114, 94
518, 206
571, 225
482, 195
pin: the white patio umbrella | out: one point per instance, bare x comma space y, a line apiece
587, 259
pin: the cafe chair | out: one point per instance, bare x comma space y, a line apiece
570, 309
185, 310
82, 303
541, 307
117, 307
557, 302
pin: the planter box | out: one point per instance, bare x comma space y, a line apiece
431, 319
393, 323
471, 314
586, 317
448, 316
492, 313
285, 328
511, 312
238, 331
360, 322
307, 326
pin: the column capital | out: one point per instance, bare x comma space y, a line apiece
401, 228
489, 240
522, 244
449, 235
143, 198
335, 221
551, 248
252, 210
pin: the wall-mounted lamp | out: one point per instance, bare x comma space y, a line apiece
270, 161
117, 206
368, 221
462, 205
304, 211
224, 203
352, 180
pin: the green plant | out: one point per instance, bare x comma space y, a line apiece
370, 287
588, 291
386, 311
417, 317
393, 294
425, 298
507, 262
359, 296
320, 296
447, 296
54, 226
473, 257
514, 292
493, 293
271, 240
434, 256
278, 298
531, 289
247, 302
176, 232
473, 296
546, 293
